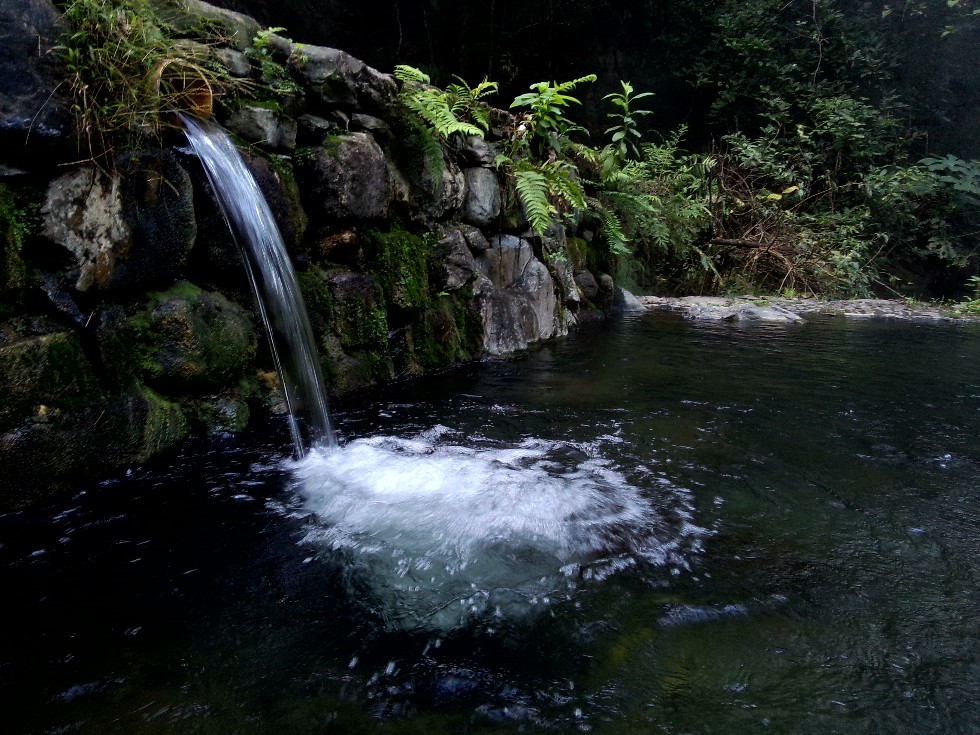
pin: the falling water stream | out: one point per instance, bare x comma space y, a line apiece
270, 272
658, 526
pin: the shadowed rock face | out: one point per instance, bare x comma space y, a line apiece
128, 230
31, 103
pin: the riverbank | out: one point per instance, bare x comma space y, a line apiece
775, 309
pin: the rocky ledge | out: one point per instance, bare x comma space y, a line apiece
766, 309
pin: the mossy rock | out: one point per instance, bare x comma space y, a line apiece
347, 313
184, 341
448, 333
50, 453
400, 259
43, 372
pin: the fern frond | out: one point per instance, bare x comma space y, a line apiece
532, 190
575, 82
432, 106
612, 229
481, 116
406, 73
563, 184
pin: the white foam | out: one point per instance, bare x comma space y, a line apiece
441, 532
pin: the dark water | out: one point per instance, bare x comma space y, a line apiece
815, 489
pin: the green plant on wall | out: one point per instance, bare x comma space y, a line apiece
625, 133
437, 109
125, 72
546, 103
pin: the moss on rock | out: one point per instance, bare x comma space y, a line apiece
43, 372
351, 327
185, 340
400, 260
449, 332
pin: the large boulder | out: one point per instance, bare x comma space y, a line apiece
40, 373
340, 80
185, 341
347, 313
186, 15
56, 449
453, 265
345, 179
128, 230
516, 297
265, 126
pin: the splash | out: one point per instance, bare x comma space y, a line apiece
441, 534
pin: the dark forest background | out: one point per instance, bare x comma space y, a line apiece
926, 53
812, 146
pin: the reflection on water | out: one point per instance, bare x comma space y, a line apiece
659, 527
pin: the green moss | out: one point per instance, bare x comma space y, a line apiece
19, 219
44, 372
400, 260
448, 333
161, 427
185, 340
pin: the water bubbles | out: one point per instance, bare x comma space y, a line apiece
440, 534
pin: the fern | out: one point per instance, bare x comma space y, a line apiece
433, 107
441, 110
410, 75
612, 228
563, 184
532, 190
539, 186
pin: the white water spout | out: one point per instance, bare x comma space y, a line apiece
273, 280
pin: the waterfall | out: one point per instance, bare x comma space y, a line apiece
274, 284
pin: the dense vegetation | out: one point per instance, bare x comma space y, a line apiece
823, 146
799, 146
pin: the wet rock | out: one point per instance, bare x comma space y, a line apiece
627, 303
453, 266
264, 126
587, 282
516, 296
475, 239
35, 108
42, 373
505, 260
478, 152
346, 179
281, 192
55, 451
129, 230
185, 341
482, 204
743, 313
350, 325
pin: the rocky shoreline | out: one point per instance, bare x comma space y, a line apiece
777, 309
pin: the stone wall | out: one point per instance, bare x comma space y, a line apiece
126, 321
